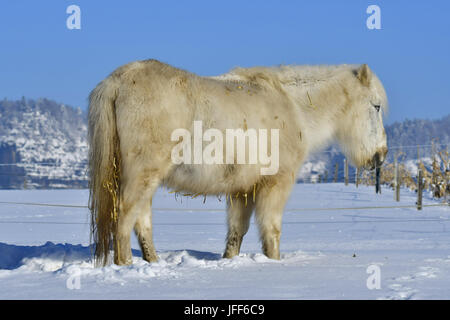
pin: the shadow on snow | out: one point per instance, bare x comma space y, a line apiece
12, 256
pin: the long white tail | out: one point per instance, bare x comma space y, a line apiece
104, 164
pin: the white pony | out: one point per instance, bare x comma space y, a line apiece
134, 112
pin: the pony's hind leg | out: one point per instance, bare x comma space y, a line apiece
143, 230
135, 205
127, 218
239, 211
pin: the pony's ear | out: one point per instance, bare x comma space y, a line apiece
364, 75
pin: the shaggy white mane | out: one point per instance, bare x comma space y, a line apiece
290, 74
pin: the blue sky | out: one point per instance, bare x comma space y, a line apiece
40, 57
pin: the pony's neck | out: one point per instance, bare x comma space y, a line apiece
320, 95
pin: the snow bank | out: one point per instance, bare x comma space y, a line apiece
45, 253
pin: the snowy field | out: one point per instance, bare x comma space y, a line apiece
44, 251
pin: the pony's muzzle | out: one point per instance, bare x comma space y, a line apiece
379, 158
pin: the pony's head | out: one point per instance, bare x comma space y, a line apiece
361, 133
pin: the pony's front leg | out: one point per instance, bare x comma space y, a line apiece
239, 212
270, 202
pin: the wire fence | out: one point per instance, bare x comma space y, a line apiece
190, 210
409, 220
223, 210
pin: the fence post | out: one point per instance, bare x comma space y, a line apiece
357, 177
398, 182
447, 185
434, 179
336, 167
395, 179
446, 178
419, 190
346, 171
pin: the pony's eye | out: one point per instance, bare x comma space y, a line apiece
377, 106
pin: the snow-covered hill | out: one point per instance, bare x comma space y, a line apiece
42, 144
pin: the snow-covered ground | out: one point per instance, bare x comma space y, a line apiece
44, 251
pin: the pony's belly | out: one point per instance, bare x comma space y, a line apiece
212, 179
